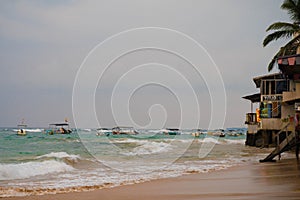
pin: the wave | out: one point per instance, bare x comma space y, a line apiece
31, 169
127, 140
210, 140
150, 148
240, 141
60, 155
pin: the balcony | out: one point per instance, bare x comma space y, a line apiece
271, 123
277, 124
292, 95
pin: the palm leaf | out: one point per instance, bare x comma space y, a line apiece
293, 9
294, 43
277, 35
283, 26
274, 59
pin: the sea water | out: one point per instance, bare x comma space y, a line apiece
39, 163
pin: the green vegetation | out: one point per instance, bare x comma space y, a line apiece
287, 30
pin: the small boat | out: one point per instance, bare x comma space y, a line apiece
171, 131
21, 128
217, 133
103, 131
197, 133
58, 128
233, 133
124, 130
21, 132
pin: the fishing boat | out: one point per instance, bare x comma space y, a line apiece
21, 128
103, 131
234, 133
58, 128
171, 131
217, 133
124, 130
197, 133
21, 131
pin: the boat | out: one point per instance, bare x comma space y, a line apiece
233, 133
171, 131
21, 129
197, 133
217, 133
103, 131
124, 130
58, 128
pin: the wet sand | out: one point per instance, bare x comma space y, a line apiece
278, 180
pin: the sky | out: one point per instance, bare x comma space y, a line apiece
141, 63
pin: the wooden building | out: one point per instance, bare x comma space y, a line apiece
275, 123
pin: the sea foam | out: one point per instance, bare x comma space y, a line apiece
31, 169
150, 148
60, 155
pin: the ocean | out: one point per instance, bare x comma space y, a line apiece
39, 163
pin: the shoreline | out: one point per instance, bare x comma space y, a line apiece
279, 180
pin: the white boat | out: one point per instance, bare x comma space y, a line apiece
197, 133
103, 131
59, 128
124, 130
171, 131
21, 132
217, 133
21, 129
233, 133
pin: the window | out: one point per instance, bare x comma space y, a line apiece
274, 86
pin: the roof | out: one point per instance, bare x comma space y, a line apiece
60, 124
173, 129
253, 97
289, 65
123, 127
22, 125
257, 80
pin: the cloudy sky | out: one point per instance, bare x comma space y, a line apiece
45, 47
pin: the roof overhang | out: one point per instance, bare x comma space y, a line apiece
60, 124
254, 98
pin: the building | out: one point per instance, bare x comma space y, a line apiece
275, 122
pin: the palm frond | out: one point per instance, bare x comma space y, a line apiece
293, 44
293, 9
283, 26
274, 59
277, 35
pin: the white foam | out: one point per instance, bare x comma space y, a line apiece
150, 148
128, 140
210, 140
242, 141
30, 169
60, 155
37, 130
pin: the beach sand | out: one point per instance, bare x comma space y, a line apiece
278, 180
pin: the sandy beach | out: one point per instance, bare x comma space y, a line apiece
278, 180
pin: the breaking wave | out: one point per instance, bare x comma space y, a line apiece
31, 169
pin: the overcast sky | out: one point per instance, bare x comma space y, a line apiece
44, 43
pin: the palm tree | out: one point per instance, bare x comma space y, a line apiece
285, 30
